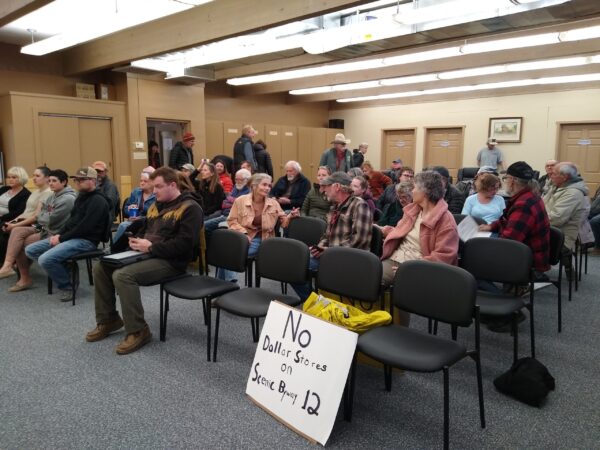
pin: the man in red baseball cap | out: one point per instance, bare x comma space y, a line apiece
182, 152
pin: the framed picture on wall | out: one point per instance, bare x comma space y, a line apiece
506, 129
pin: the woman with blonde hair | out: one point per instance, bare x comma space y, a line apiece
485, 204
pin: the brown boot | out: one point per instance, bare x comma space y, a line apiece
134, 341
102, 330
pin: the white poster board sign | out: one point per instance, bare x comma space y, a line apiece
300, 369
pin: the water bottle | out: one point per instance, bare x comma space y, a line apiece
133, 211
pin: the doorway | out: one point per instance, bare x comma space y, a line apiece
398, 144
580, 144
444, 147
166, 134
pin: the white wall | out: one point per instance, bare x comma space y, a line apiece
540, 112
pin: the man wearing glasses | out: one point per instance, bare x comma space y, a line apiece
85, 228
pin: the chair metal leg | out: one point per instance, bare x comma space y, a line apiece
162, 317
205, 304
586, 260
208, 330
576, 270
446, 409
532, 328
74, 281
387, 375
454, 330
349, 391
216, 340
435, 327
49, 286
515, 332
88, 263
255, 328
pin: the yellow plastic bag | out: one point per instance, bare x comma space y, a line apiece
345, 315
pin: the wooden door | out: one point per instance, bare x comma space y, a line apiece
95, 137
59, 141
318, 144
444, 147
304, 151
289, 144
231, 132
398, 144
580, 144
274, 145
214, 139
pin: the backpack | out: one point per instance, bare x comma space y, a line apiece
528, 381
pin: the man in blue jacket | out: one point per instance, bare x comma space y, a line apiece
86, 227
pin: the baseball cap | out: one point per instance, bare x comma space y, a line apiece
188, 137
337, 177
85, 172
520, 169
189, 167
492, 141
487, 169
397, 161
441, 170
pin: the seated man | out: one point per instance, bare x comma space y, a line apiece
565, 205
107, 188
170, 230
524, 219
594, 218
291, 189
240, 188
349, 223
389, 194
452, 196
137, 204
88, 225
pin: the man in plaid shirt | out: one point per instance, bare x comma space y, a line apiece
349, 223
524, 219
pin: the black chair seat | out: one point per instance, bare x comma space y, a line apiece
196, 288
165, 280
410, 349
85, 255
253, 302
498, 305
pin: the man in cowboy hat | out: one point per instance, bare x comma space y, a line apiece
338, 158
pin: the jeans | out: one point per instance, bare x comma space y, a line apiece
211, 225
126, 282
121, 229
230, 275
52, 259
303, 290
595, 224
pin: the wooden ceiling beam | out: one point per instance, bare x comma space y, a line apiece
199, 25
11, 10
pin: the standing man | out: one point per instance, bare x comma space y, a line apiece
546, 180
182, 153
87, 226
490, 155
291, 189
358, 154
243, 149
107, 188
338, 158
169, 236
349, 223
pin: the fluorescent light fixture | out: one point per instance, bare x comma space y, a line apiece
511, 43
580, 34
442, 11
455, 74
474, 72
427, 55
71, 22
479, 87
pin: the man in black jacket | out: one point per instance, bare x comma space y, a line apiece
291, 189
87, 226
243, 149
452, 196
182, 153
168, 235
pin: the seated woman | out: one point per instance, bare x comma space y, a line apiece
241, 188
137, 204
316, 203
54, 212
224, 176
28, 203
360, 188
377, 180
210, 190
485, 203
256, 215
426, 231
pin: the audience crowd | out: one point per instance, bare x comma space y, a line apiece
176, 207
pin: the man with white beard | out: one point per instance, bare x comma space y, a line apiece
291, 189
241, 188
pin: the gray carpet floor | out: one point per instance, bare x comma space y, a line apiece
59, 392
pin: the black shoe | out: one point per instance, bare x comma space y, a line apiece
505, 325
540, 277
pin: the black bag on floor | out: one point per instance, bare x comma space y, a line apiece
528, 380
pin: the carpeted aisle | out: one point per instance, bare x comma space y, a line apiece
58, 391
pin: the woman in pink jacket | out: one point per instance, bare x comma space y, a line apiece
426, 231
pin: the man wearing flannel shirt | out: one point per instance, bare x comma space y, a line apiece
349, 223
524, 219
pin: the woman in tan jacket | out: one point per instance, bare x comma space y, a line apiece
256, 215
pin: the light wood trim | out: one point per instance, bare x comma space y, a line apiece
559, 126
14, 9
199, 25
383, 143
